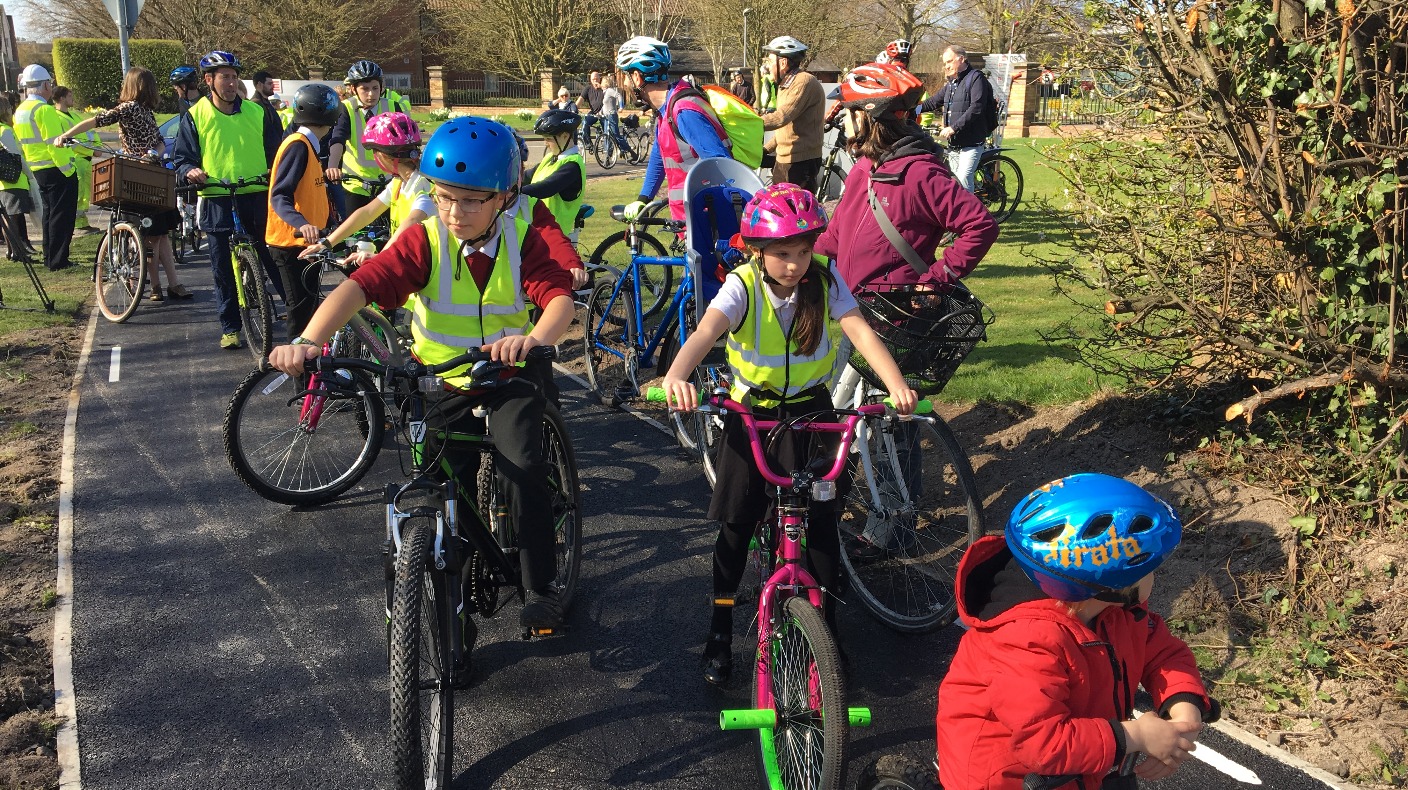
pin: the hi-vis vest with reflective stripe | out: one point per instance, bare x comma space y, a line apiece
231, 145
37, 122
761, 353
356, 159
403, 197
450, 316
564, 211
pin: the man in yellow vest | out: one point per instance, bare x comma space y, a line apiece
346, 154
476, 273
226, 138
37, 123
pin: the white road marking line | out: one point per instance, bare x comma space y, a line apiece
115, 368
1224, 764
65, 704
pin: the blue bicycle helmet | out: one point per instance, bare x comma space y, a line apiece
649, 56
184, 75
473, 153
1091, 536
217, 60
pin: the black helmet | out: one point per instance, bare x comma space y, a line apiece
218, 59
361, 71
315, 104
184, 75
555, 122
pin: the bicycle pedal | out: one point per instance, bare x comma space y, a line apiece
537, 631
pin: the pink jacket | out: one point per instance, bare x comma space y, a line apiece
922, 199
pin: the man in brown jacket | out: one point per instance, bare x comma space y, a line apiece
799, 117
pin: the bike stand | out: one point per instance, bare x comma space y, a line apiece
38, 288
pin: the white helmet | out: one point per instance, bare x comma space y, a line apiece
786, 46
34, 74
883, 57
649, 56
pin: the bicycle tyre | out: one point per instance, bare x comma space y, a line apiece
257, 310
120, 272
1000, 187
566, 504
609, 344
901, 559
271, 450
657, 283
698, 433
897, 772
805, 667
422, 709
832, 186
606, 155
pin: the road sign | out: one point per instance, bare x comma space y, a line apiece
124, 16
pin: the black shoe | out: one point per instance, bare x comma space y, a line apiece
541, 610
718, 659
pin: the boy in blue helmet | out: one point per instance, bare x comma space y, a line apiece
472, 268
1060, 637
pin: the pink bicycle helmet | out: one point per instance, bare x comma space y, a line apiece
781, 211
391, 133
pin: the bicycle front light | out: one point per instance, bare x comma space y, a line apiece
823, 490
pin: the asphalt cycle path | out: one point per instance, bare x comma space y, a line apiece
220, 640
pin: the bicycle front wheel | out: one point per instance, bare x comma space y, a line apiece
120, 272
301, 445
256, 306
998, 182
657, 282
799, 676
606, 152
422, 699
609, 343
911, 512
566, 504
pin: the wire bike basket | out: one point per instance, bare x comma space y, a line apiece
929, 333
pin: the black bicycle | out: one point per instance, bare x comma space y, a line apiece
445, 556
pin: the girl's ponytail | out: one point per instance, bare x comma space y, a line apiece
810, 323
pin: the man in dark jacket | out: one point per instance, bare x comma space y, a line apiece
740, 87
966, 125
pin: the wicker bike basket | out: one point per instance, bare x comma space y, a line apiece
927, 332
140, 187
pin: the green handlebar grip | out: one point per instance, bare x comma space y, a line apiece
924, 406
655, 395
750, 719
858, 717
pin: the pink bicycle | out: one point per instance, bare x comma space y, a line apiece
799, 693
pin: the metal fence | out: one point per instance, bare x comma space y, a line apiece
417, 96
1076, 106
490, 90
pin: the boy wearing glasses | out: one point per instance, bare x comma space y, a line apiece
474, 271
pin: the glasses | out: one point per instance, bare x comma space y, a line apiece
465, 205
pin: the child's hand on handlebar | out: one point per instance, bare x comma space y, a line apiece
291, 359
512, 349
313, 249
310, 233
680, 395
904, 399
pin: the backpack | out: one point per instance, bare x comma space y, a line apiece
743, 126
11, 166
990, 110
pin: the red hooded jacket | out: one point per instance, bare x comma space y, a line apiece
1033, 689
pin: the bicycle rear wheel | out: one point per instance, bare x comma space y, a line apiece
302, 449
256, 307
657, 283
609, 343
911, 512
998, 182
422, 699
120, 272
799, 676
897, 772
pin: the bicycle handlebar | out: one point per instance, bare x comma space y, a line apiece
379, 182
415, 370
227, 185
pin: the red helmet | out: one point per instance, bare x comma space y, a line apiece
880, 89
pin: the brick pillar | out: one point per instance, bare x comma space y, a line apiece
1025, 102
315, 73
548, 80
435, 77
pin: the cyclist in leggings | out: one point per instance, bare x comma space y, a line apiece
776, 310
1060, 637
476, 272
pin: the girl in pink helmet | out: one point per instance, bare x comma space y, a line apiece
394, 140
776, 311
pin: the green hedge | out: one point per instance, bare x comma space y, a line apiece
92, 67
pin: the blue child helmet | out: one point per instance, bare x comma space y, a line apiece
184, 75
1090, 536
472, 153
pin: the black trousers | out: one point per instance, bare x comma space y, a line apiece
516, 422
60, 195
300, 280
804, 174
16, 236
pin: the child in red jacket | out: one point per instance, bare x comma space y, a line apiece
1059, 639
